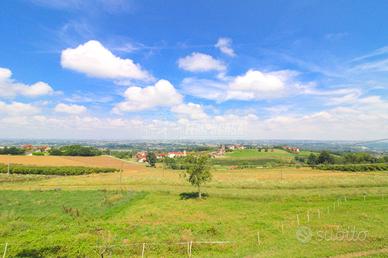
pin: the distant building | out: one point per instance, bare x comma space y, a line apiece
141, 156
32, 148
176, 154
220, 152
235, 147
291, 149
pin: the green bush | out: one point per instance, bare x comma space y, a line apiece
38, 170
38, 154
75, 150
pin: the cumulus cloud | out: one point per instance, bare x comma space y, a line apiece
199, 62
93, 59
365, 119
11, 88
162, 94
259, 85
225, 46
69, 108
18, 108
253, 85
190, 110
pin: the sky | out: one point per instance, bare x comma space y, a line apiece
127, 69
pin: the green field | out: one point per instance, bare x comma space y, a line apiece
254, 158
248, 213
255, 154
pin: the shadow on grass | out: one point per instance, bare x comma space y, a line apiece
192, 195
40, 252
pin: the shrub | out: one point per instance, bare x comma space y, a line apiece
40, 170
75, 150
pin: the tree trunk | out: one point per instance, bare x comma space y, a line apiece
199, 192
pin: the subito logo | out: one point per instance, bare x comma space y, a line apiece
303, 234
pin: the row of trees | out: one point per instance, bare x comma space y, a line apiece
75, 150
11, 151
48, 170
120, 154
325, 157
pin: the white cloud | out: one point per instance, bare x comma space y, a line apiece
69, 108
11, 88
259, 85
224, 45
253, 85
190, 110
93, 59
199, 62
18, 108
162, 94
365, 119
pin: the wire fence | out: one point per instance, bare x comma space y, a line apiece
186, 247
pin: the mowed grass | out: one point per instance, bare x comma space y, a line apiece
115, 213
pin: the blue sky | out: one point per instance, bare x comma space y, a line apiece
109, 69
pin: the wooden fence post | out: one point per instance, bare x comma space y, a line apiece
142, 251
5, 250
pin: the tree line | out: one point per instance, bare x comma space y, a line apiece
326, 157
75, 150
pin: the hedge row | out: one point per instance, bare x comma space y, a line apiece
38, 170
356, 167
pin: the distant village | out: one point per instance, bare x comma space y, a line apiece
141, 156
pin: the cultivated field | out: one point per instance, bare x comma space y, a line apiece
249, 213
99, 161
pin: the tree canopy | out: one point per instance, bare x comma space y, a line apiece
197, 171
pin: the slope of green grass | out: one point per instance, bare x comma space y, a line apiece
255, 154
89, 223
146, 207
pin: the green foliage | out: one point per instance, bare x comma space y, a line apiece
11, 151
151, 159
312, 159
75, 150
198, 171
174, 163
355, 167
45, 170
38, 153
121, 154
325, 158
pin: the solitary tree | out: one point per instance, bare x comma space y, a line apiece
325, 158
312, 159
151, 159
197, 171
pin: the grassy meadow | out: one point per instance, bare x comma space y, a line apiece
256, 159
249, 212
